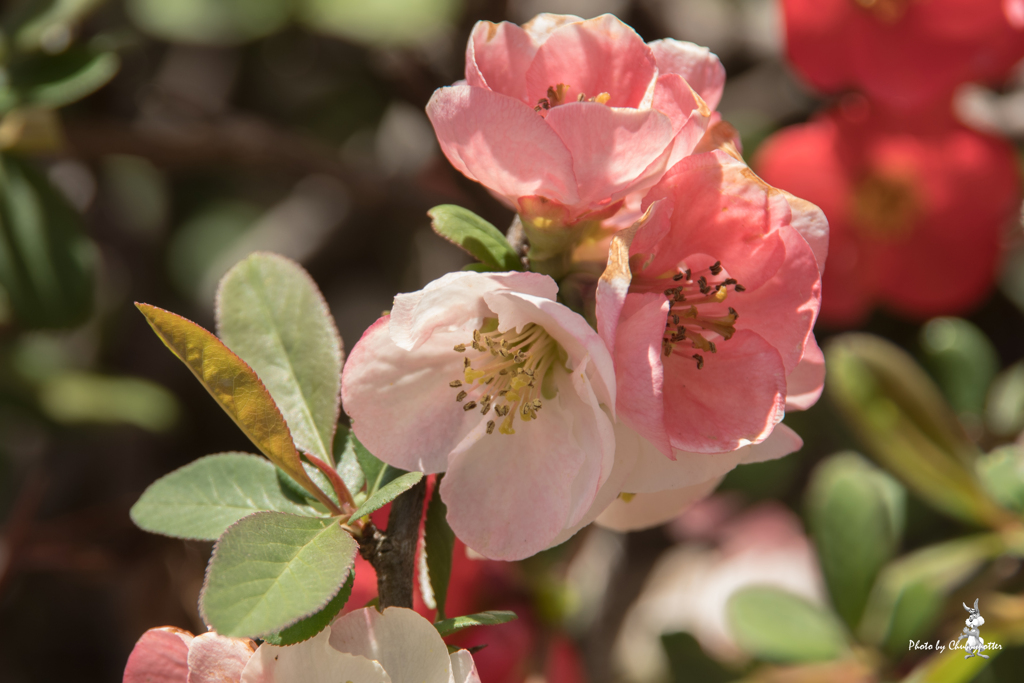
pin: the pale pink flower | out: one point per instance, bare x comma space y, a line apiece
487, 378
365, 646
171, 655
691, 584
563, 118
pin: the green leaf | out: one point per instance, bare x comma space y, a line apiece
348, 462
271, 570
46, 263
53, 81
203, 498
777, 626
210, 22
310, 626
86, 397
856, 516
489, 618
910, 591
688, 661
1004, 410
271, 313
482, 240
381, 22
375, 472
1002, 474
438, 545
387, 493
234, 386
962, 360
950, 666
904, 423
45, 24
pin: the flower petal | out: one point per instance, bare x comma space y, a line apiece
159, 656
464, 668
806, 382
213, 658
455, 302
614, 150
646, 510
510, 495
311, 661
397, 398
599, 55
540, 27
810, 222
783, 310
404, 643
502, 143
568, 328
639, 370
653, 472
729, 215
734, 400
689, 114
698, 65
497, 57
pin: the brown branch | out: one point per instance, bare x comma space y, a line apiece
393, 552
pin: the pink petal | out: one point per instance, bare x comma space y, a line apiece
614, 151
646, 510
726, 212
626, 448
698, 65
455, 301
600, 55
497, 57
639, 370
404, 643
690, 116
806, 382
541, 26
509, 496
159, 656
502, 143
810, 222
213, 658
568, 328
734, 400
783, 310
653, 472
397, 397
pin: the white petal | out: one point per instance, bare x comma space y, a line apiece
464, 668
404, 643
647, 510
312, 661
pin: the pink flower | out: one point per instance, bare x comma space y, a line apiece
171, 655
486, 377
562, 118
393, 646
396, 646
708, 306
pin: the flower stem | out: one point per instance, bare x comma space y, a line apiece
392, 552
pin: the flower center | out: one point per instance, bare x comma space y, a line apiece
559, 94
884, 208
695, 319
886, 11
506, 372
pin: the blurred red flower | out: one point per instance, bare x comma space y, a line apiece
916, 208
904, 53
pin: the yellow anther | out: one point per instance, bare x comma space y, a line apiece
627, 497
472, 375
720, 295
512, 396
603, 98
520, 381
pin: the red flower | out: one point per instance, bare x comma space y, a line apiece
916, 215
903, 52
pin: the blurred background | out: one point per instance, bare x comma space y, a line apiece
147, 145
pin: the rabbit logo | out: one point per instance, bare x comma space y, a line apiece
975, 643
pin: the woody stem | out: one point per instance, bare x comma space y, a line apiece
392, 551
